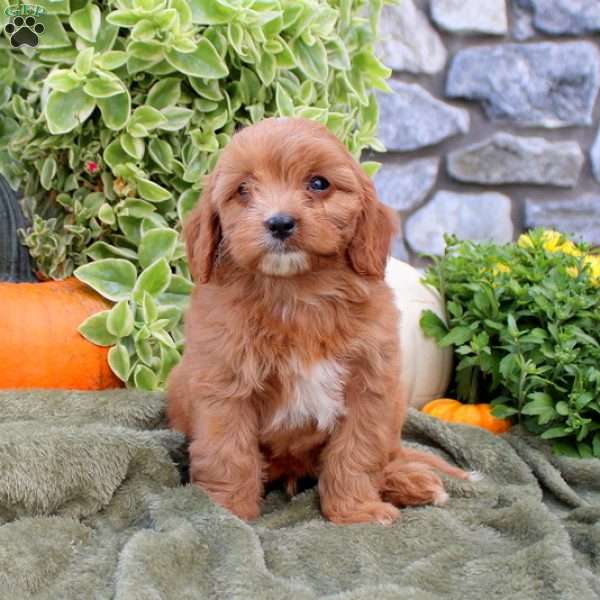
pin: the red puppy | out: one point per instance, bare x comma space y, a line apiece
291, 365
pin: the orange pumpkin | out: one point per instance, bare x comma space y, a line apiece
478, 415
40, 346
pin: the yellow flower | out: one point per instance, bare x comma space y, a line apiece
572, 271
593, 260
551, 242
525, 241
500, 268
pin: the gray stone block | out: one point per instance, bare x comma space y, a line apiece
470, 16
595, 157
561, 17
404, 187
478, 217
546, 84
579, 216
407, 42
506, 158
411, 118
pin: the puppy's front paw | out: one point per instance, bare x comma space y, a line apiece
367, 512
245, 507
247, 510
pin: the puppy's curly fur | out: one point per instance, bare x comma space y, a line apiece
291, 365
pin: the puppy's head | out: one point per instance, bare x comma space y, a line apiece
284, 195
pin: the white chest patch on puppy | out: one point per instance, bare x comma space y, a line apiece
318, 393
284, 264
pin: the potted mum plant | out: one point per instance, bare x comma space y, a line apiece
524, 322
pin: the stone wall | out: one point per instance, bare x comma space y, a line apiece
492, 126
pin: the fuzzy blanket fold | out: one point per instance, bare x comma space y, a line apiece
91, 507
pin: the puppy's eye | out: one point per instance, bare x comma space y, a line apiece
243, 190
318, 184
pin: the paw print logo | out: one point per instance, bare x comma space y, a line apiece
24, 31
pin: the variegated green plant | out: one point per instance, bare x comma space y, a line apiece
109, 124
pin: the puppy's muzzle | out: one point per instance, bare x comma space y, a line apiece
281, 226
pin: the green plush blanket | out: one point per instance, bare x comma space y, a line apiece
91, 507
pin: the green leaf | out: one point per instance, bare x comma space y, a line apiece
106, 214
154, 280
48, 172
203, 62
371, 168
211, 12
178, 292
118, 360
501, 411
85, 22
63, 80
134, 207
103, 88
337, 55
207, 88
161, 153
84, 61
555, 432
111, 60
114, 155
151, 191
432, 325
144, 378
120, 319
266, 68
65, 111
541, 405
155, 244
54, 35
113, 278
312, 60
165, 92
285, 105
149, 309
163, 337
169, 358
95, 330
596, 445
124, 18
115, 110
143, 349
186, 202
100, 249
148, 117
172, 314
176, 117
133, 146
456, 336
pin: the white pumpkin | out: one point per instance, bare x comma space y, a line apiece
425, 367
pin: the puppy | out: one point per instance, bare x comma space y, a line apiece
291, 364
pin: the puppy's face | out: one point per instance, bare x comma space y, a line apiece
284, 194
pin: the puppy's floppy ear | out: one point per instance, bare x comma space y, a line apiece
202, 234
376, 226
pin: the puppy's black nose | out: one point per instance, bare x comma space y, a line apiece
281, 225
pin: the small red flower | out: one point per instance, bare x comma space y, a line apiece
91, 166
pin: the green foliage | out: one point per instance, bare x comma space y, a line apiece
109, 125
524, 321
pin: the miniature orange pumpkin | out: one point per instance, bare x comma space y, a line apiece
478, 415
40, 346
